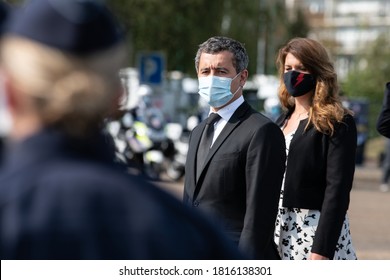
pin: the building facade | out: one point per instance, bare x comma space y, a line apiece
345, 27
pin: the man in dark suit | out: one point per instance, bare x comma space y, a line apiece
238, 179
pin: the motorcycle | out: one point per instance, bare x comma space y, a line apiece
176, 166
168, 153
146, 146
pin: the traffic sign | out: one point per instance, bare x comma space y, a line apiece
151, 66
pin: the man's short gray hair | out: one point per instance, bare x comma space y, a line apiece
218, 44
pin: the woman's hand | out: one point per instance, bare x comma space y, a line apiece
314, 256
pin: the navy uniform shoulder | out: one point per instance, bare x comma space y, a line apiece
143, 220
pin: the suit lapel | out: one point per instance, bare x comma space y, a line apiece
192, 151
235, 120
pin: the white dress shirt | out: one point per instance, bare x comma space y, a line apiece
226, 113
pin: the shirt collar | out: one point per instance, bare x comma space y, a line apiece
228, 111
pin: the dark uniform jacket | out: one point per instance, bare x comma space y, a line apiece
319, 176
66, 199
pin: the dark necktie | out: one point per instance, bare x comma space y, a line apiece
206, 141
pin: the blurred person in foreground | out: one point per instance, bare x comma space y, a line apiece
4, 115
320, 136
236, 177
61, 195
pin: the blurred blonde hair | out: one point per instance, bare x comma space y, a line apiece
326, 107
71, 92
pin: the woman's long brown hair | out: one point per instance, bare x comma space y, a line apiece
326, 107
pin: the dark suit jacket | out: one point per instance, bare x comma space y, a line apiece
383, 122
241, 180
63, 198
319, 175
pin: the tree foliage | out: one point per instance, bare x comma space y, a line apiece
368, 77
174, 27
177, 27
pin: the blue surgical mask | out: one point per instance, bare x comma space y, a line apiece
216, 90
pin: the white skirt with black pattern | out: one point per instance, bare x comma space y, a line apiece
295, 231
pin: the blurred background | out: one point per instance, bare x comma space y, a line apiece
163, 37
162, 105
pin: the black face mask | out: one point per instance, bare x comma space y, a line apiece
298, 83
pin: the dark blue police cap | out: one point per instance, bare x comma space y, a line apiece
74, 26
4, 12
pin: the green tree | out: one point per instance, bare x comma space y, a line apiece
176, 28
368, 77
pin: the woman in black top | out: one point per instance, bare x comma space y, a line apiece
320, 134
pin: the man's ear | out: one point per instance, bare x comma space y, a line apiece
117, 101
243, 77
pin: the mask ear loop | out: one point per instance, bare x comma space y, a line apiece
239, 73
239, 86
